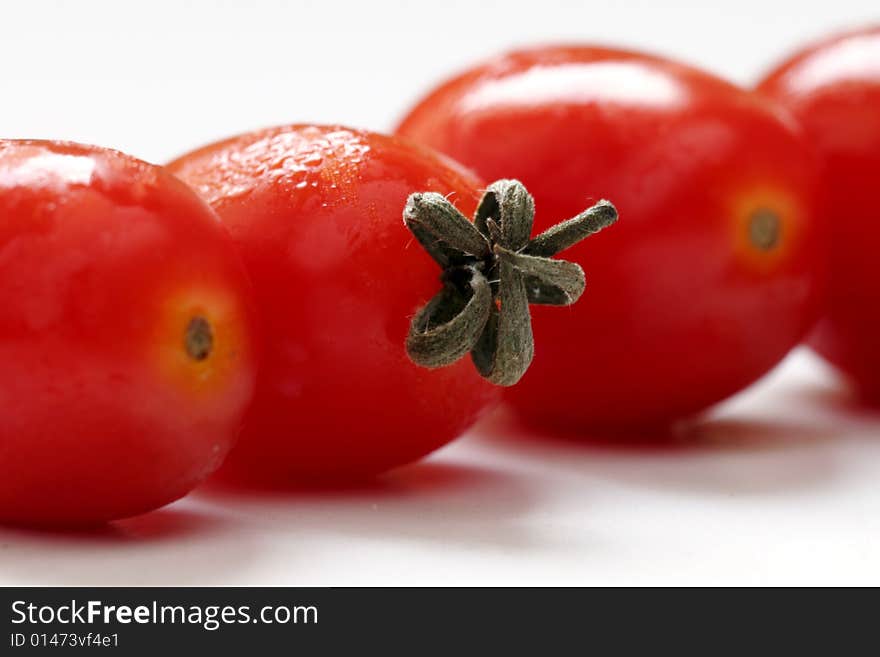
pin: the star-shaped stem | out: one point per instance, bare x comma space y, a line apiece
492, 271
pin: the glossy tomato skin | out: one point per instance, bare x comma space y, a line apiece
833, 88
317, 215
687, 301
105, 261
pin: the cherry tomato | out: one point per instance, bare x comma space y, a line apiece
833, 88
125, 336
317, 215
713, 273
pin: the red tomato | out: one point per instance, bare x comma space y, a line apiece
713, 272
833, 88
125, 335
317, 215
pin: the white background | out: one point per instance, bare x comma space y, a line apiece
781, 485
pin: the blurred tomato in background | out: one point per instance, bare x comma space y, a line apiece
833, 88
715, 269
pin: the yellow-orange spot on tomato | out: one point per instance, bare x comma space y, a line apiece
200, 339
767, 223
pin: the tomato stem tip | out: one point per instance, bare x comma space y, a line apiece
198, 338
765, 229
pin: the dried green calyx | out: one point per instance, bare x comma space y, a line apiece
492, 271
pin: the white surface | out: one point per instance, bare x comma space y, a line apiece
157, 79
781, 486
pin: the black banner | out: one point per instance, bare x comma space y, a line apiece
154, 621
